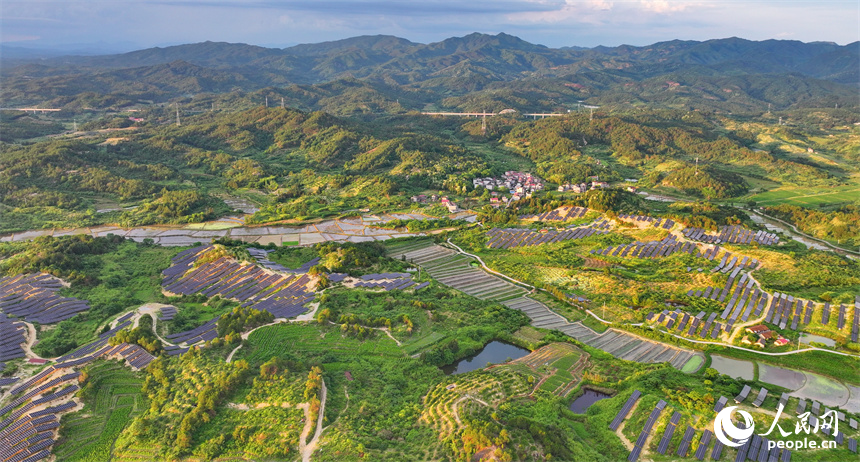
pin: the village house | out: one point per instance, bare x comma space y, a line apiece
764, 335
576, 188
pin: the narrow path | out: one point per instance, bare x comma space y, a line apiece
455, 407
31, 341
311, 446
627, 444
784, 353
388, 333
309, 316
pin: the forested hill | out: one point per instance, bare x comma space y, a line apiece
725, 74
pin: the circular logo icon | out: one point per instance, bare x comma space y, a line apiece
724, 428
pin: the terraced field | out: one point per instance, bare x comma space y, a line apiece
90, 433
564, 364
455, 270
447, 403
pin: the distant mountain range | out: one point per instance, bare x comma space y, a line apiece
477, 71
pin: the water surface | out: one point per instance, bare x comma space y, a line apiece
584, 401
495, 352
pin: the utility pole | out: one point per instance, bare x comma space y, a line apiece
267, 101
282, 102
177, 115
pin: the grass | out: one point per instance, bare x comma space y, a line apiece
693, 364
271, 341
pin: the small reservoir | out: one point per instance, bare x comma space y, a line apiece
584, 401
495, 352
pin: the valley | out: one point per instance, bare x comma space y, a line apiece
227, 252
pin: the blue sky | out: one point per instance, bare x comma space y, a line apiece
132, 24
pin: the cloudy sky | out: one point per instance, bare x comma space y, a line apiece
130, 24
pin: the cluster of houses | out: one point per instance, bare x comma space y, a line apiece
517, 183
761, 335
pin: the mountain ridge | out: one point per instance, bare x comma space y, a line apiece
454, 67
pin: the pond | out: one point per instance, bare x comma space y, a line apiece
588, 397
495, 352
806, 338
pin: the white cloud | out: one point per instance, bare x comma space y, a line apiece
666, 6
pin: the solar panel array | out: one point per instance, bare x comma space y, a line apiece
667, 434
563, 213
650, 249
655, 222
801, 406
167, 313
733, 235
646, 430
744, 449
174, 350
622, 413
703, 444
208, 331
136, 357
840, 323
284, 295
762, 395
26, 434
386, 281
684, 447
11, 338
33, 297
743, 394
720, 404
855, 327
785, 308
506, 238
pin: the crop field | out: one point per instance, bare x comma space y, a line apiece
89, 434
808, 196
